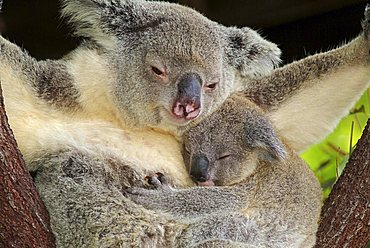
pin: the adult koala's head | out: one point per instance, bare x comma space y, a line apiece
171, 64
227, 146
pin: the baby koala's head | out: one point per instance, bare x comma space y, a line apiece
226, 147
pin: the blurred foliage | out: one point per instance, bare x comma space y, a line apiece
328, 158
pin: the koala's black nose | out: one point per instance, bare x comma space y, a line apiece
199, 168
187, 103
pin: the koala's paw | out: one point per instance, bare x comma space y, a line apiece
158, 181
366, 22
156, 198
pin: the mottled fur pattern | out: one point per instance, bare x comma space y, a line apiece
109, 78
48, 79
73, 117
269, 198
307, 98
87, 208
173, 37
97, 119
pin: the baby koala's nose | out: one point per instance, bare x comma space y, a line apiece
199, 168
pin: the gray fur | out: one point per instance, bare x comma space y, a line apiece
271, 91
276, 204
245, 49
48, 79
250, 53
88, 209
83, 189
286, 81
330, 83
54, 85
125, 38
180, 38
283, 83
129, 37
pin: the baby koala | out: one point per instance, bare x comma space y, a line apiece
264, 195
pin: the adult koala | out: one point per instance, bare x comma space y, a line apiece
143, 65
107, 114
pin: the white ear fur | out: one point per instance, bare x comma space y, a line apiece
259, 133
272, 149
249, 53
86, 18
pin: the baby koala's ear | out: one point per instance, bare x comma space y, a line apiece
249, 53
273, 148
259, 133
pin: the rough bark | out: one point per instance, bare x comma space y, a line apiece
24, 220
345, 216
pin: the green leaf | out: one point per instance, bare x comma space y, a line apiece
328, 158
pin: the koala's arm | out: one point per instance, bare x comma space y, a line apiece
14, 59
223, 216
193, 202
48, 80
307, 98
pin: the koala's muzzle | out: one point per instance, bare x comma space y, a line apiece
199, 168
187, 103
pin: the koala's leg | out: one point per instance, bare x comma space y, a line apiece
84, 198
238, 230
307, 98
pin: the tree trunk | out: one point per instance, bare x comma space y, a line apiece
24, 220
345, 216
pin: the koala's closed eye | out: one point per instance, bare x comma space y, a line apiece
187, 150
157, 71
210, 87
224, 156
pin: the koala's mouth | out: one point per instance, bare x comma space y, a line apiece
179, 120
203, 181
186, 111
209, 182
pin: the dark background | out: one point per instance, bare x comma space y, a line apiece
298, 27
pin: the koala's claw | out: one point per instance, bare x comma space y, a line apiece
158, 180
150, 198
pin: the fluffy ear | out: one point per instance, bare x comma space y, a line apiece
86, 16
249, 53
103, 20
259, 133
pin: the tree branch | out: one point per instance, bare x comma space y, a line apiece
24, 220
345, 216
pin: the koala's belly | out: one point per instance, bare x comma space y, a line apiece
147, 151
153, 152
